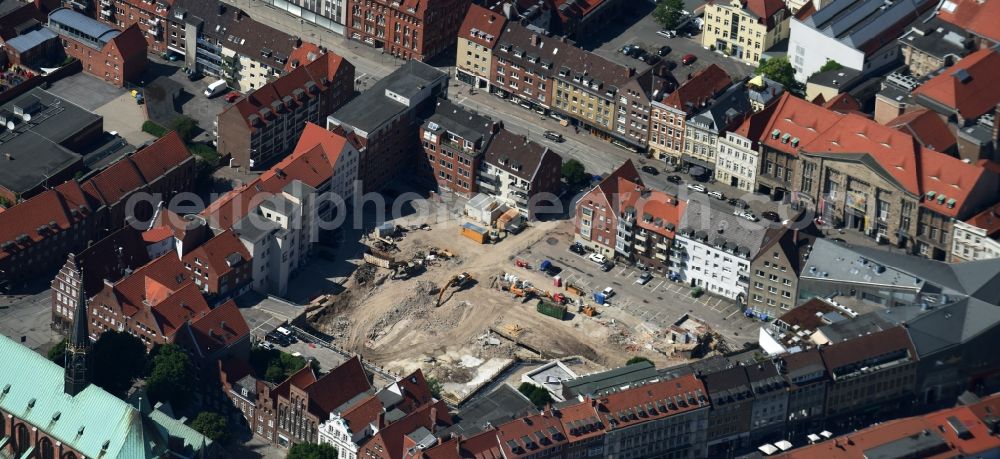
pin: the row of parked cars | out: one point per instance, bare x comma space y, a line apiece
740, 207
640, 53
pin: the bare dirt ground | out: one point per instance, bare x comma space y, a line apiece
395, 322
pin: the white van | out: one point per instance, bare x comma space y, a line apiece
216, 88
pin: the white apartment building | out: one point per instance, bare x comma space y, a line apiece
738, 162
975, 238
713, 250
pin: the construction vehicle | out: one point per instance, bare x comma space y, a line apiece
458, 281
588, 310
573, 289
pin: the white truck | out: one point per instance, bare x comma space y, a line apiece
216, 88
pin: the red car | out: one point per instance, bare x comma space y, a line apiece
232, 96
688, 59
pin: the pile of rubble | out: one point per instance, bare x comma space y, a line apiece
414, 306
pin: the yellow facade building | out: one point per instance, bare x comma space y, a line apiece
745, 29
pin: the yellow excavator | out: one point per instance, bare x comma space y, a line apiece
457, 281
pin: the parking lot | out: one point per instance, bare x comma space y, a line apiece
659, 302
27, 319
643, 32
191, 100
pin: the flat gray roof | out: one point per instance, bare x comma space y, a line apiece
453, 118
503, 404
611, 380
371, 109
31, 39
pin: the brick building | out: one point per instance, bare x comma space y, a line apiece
520, 173
221, 266
454, 142
117, 56
407, 29
669, 115
264, 126
149, 16
385, 120
598, 211
477, 37
776, 268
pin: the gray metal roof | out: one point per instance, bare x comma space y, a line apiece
936, 37
611, 380
372, 109
501, 405
858, 22
453, 118
717, 222
89, 28
729, 107
31, 39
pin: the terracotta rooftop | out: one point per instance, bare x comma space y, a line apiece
968, 86
977, 16
948, 433
131, 41
531, 435
42, 216
659, 212
988, 220
482, 26
653, 401
698, 90
953, 182
219, 328
795, 123
765, 10
927, 128
220, 254
845, 354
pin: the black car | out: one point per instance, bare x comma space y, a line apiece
670, 64
773, 216
651, 59
639, 53
674, 178
664, 50
606, 266
194, 75
738, 203
650, 170
577, 248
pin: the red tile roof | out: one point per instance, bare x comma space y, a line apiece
131, 42
302, 55
485, 23
977, 16
894, 150
843, 103
800, 120
663, 211
702, 86
161, 156
64, 206
927, 127
219, 328
167, 270
115, 183
844, 353
970, 97
582, 421
338, 386
359, 416
658, 400
178, 307
765, 10
860, 443
950, 177
393, 439
531, 435
988, 220
216, 252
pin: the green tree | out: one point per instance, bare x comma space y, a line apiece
830, 65
58, 353
312, 451
5, 203
119, 359
150, 127
781, 71
185, 127
573, 172
669, 13
277, 366
638, 359
435, 387
172, 378
538, 396
212, 425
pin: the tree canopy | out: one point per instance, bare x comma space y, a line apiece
57, 353
172, 377
185, 127
669, 13
212, 425
781, 71
830, 65
312, 451
539, 396
574, 172
118, 360
276, 366
638, 359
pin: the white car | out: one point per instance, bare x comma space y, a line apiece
644, 278
598, 258
696, 187
748, 215
608, 292
667, 33
717, 195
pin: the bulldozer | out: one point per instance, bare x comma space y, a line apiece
458, 281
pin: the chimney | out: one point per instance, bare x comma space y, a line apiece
239, 14
434, 412
298, 42
381, 419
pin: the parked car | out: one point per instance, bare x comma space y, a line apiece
650, 170
606, 266
644, 278
696, 187
688, 59
638, 53
194, 75
608, 292
650, 59
664, 50
770, 215
738, 203
577, 248
670, 64
598, 258
554, 136
674, 179
717, 195
232, 96
667, 33
748, 215
626, 50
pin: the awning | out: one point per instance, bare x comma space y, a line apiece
697, 162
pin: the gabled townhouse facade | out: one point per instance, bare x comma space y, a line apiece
407, 29
116, 56
705, 130
454, 143
745, 29
520, 173
671, 113
477, 39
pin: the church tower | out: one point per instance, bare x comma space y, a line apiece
77, 364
